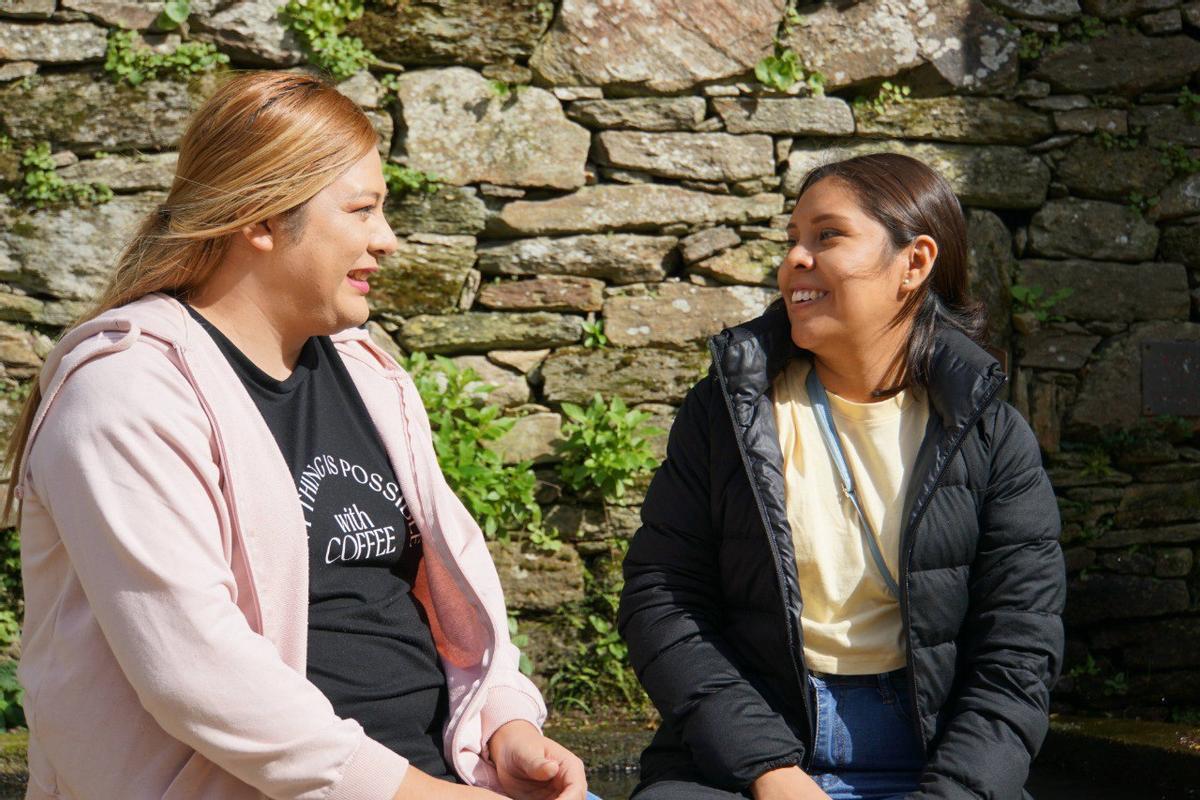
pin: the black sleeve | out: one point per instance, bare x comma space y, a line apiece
668, 614
1011, 649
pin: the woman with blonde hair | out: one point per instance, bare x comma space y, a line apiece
244, 572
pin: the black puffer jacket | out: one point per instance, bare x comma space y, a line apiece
711, 605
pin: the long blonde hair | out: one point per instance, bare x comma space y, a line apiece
262, 145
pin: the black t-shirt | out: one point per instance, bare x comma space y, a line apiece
370, 649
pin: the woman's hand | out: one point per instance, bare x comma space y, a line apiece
786, 783
532, 767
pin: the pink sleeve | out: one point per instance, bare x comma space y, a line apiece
124, 465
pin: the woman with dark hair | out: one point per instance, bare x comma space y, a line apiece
848, 582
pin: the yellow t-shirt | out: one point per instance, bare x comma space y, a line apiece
852, 626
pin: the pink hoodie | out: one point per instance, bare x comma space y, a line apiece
165, 562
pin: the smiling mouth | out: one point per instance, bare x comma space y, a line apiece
806, 296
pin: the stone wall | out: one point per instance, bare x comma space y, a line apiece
630, 169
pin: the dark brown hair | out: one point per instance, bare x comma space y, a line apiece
911, 199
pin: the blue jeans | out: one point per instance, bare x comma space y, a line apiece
591, 796
867, 747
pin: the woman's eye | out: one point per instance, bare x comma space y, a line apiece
367, 209
830, 232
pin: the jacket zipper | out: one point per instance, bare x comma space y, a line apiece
795, 647
907, 555
481, 686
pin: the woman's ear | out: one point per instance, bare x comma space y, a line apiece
922, 255
260, 235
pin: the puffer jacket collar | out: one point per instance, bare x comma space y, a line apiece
963, 376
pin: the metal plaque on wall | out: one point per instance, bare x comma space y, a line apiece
1171, 378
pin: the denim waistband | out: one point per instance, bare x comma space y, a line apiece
897, 678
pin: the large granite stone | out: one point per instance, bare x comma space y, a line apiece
1045, 10
1121, 63
555, 293
755, 263
593, 523
21, 350
1103, 596
128, 14
478, 332
642, 375
531, 438
1166, 125
23, 308
138, 173
1054, 348
617, 258
457, 128
1145, 504
1181, 244
1180, 199
84, 111
971, 120
640, 113
27, 9
1071, 227
250, 32
1089, 169
990, 267
72, 42
427, 274
638, 45
794, 116
646, 207
679, 315
453, 31
68, 252
1158, 645
1108, 398
688, 156
1112, 292
448, 210
507, 388
989, 177
536, 580
1118, 9
959, 45
710, 241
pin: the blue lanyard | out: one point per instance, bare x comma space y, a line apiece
820, 402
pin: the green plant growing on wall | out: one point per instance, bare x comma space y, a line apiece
504, 89
1116, 685
605, 446
1140, 202
1031, 299
320, 25
598, 669
1097, 463
593, 335
889, 94
125, 60
520, 641
174, 14
1189, 101
1087, 668
499, 496
1117, 141
403, 180
1178, 158
42, 186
